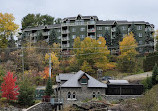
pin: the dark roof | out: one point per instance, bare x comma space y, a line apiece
83, 17
42, 27
108, 22
92, 82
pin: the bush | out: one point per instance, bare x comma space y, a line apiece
147, 83
26, 93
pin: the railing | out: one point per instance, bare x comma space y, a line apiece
113, 29
91, 30
91, 22
93, 37
45, 33
33, 34
65, 31
65, 45
56, 101
65, 38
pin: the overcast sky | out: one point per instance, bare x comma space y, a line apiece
140, 10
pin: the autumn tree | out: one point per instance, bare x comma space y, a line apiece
8, 87
7, 27
127, 58
91, 53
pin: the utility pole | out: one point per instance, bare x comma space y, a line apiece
22, 55
50, 67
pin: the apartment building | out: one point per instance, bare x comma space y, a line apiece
90, 26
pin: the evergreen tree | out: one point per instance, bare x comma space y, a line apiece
155, 75
108, 38
148, 39
133, 30
52, 37
49, 90
26, 93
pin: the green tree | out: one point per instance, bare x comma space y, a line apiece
49, 90
26, 93
52, 37
58, 21
155, 75
32, 20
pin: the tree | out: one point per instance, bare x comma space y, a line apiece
86, 67
133, 30
2, 73
49, 90
155, 75
32, 20
58, 21
8, 87
52, 37
91, 52
156, 35
26, 93
7, 27
127, 58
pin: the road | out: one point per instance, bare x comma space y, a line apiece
137, 76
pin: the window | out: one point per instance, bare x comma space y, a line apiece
123, 28
73, 30
140, 49
69, 95
100, 35
82, 36
82, 29
59, 37
139, 27
59, 30
93, 95
107, 28
84, 81
73, 36
74, 95
140, 42
140, 34
99, 28
98, 95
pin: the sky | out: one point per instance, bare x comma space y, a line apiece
131, 10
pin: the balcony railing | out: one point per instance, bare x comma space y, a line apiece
113, 29
65, 45
45, 33
93, 37
33, 34
91, 22
65, 31
65, 38
91, 30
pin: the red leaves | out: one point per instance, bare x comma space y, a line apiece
8, 87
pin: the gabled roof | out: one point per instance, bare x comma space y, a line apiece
64, 77
116, 82
73, 81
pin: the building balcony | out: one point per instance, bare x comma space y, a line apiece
65, 38
65, 31
92, 36
74, 24
45, 33
33, 34
113, 29
65, 45
91, 30
91, 22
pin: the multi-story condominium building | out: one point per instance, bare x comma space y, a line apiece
90, 26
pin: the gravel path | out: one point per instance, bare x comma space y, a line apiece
138, 76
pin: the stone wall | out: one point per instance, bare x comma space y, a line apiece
120, 97
42, 106
81, 93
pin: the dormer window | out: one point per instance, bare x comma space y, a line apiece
84, 80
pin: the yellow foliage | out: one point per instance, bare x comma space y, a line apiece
128, 45
54, 60
7, 25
